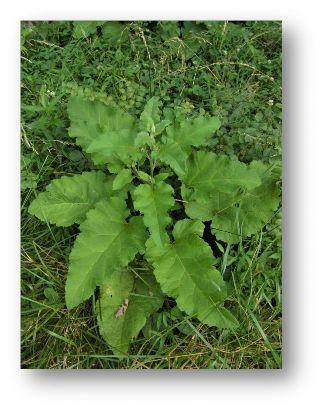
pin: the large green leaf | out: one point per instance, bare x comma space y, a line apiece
67, 200
208, 172
154, 201
105, 244
125, 304
239, 213
251, 211
185, 271
105, 128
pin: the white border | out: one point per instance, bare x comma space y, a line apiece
296, 386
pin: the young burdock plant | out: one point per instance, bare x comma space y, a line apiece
129, 245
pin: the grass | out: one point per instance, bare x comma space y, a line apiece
232, 70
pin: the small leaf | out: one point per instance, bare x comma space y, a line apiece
161, 176
144, 176
28, 180
26, 160
75, 155
51, 295
122, 179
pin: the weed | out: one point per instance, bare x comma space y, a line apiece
224, 69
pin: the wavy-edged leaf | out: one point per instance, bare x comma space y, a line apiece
124, 306
105, 244
252, 210
208, 172
109, 131
154, 201
67, 200
185, 272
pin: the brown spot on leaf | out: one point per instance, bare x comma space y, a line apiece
122, 309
